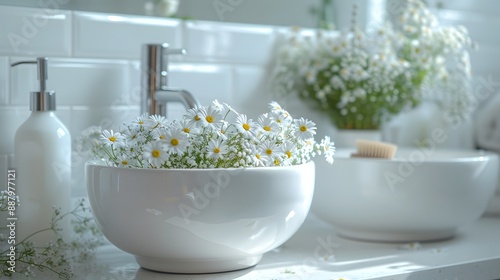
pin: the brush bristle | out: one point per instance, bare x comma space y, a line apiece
374, 149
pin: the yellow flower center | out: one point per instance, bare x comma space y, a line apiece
257, 156
156, 153
187, 130
216, 150
140, 122
303, 128
112, 139
288, 154
267, 128
246, 126
162, 137
174, 142
196, 118
124, 162
210, 119
269, 152
276, 162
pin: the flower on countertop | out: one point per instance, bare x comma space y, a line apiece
361, 81
204, 138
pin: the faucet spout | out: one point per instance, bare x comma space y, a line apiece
162, 97
155, 93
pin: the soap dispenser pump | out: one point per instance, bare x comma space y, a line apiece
43, 166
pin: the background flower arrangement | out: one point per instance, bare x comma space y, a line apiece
361, 81
205, 138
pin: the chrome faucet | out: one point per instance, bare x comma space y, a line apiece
155, 94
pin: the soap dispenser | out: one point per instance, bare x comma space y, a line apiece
43, 166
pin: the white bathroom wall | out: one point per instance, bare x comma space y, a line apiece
94, 62
94, 67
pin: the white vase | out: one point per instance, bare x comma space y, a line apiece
167, 8
346, 138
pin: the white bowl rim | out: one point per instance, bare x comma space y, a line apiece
462, 155
99, 163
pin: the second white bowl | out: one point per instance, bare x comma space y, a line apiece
417, 196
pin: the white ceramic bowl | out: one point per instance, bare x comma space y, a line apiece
419, 195
199, 220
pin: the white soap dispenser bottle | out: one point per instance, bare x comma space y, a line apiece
43, 167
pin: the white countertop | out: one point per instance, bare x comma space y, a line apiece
315, 252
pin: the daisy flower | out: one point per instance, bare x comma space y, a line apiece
270, 150
186, 127
134, 135
194, 116
282, 117
328, 148
219, 107
140, 121
158, 121
110, 138
274, 107
211, 137
221, 132
211, 117
155, 154
123, 161
258, 159
267, 125
159, 133
245, 126
279, 162
176, 140
131, 134
288, 149
217, 149
305, 129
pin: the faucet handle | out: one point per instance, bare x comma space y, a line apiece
165, 52
174, 51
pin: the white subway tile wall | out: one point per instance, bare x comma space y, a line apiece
4, 167
28, 31
94, 67
4, 80
206, 81
94, 63
117, 36
250, 83
229, 42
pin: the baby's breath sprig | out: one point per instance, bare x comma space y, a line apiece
206, 138
56, 258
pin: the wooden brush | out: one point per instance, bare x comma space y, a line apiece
374, 149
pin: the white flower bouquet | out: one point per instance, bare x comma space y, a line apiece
361, 81
207, 138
